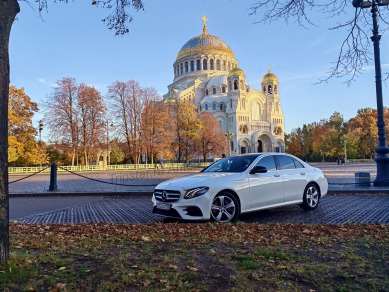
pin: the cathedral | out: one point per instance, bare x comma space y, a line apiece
206, 73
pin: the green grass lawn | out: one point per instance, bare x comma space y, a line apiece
197, 257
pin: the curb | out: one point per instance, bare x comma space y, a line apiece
82, 194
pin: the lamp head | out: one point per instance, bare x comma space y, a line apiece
364, 4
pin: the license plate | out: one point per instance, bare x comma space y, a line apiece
165, 207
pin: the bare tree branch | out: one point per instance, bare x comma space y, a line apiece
355, 52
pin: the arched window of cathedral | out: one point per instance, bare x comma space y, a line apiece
182, 68
211, 65
235, 84
221, 106
231, 103
206, 92
223, 89
256, 112
198, 65
269, 89
275, 89
224, 65
205, 65
217, 64
264, 89
206, 107
214, 106
186, 66
192, 66
214, 90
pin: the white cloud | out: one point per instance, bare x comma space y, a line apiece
42, 80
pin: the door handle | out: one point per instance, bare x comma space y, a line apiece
277, 175
302, 173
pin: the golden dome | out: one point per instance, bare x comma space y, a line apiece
205, 44
269, 77
236, 72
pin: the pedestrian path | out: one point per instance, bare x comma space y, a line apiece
138, 183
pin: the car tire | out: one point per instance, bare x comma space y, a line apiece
225, 208
311, 197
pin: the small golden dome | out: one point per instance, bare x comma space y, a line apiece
269, 77
170, 100
236, 72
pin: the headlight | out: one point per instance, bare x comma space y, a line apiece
196, 192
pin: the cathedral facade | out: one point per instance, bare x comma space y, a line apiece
206, 73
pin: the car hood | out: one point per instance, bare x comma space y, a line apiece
198, 180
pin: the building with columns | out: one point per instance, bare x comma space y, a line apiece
206, 73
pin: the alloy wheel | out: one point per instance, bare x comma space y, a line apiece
223, 208
312, 196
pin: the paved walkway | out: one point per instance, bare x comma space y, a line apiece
332, 210
31, 202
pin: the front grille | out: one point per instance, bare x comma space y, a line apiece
171, 213
167, 195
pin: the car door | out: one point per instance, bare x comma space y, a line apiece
295, 177
266, 188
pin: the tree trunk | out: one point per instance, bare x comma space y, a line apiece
8, 11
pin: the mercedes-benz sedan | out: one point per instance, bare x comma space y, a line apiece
241, 184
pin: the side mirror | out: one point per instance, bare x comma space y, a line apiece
258, 169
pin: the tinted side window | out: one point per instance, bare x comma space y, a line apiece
268, 162
285, 162
298, 164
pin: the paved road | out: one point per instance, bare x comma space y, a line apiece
102, 206
332, 210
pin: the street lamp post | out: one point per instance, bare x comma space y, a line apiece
229, 136
344, 139
108, 151
40, 131
382, 159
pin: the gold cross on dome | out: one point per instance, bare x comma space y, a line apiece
268, 69
204, 19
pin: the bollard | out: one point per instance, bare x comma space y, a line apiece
53, 177
362, 178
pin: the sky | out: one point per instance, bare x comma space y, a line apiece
70, 40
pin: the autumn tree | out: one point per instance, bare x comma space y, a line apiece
299, 142
156, 136
61, 115
185, 126
126, 103
117, 20
211, 139
23, 147
92, 118
363, 130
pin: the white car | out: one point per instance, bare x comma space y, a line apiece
241, 184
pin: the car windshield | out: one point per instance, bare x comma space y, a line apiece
232, 164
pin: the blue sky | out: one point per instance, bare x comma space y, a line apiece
71, 41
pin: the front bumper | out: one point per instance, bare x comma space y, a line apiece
198, 208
